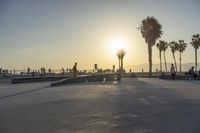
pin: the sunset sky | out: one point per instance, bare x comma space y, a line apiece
57, 33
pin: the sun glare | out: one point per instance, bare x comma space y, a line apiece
117, 44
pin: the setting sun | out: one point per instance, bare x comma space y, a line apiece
118, 43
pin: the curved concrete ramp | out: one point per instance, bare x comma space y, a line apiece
88, 78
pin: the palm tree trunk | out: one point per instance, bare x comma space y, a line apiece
150, 59
122, 65
165, 61
180, 61
119, 66
175, 61
196, 60
160, 61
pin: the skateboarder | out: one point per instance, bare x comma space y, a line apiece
75, 69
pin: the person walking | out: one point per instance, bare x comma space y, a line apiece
192, 72
75, 69
173, 72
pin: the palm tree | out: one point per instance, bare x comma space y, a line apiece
151, 31
196, 44
119, 58
120, 54
181, 47
160, 48
174, 47
165, 46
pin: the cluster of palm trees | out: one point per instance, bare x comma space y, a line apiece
151, 30
174, 46
120, 54
162, 46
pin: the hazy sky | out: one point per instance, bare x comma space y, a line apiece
57, 33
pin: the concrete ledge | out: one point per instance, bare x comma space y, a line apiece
183, 77
89, 78
35, 79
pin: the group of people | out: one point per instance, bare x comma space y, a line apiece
191, 72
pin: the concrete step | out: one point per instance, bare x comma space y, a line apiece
88, 78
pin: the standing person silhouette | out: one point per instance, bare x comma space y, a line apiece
173, 72
192, 72
75, 69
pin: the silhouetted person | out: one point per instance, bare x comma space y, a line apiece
28, 70
33, 74
157, 70
133, 75
173, 72
192, 72
63, 71
75, 69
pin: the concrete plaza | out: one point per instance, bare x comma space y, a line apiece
144, 105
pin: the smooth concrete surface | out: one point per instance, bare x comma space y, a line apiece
144, 105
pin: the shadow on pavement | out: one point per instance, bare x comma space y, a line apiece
23, 92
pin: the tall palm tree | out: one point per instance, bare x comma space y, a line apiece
196, 44
165, 46
151, 31
160, 48
120, 54
119, 58
174, 47
181, 47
